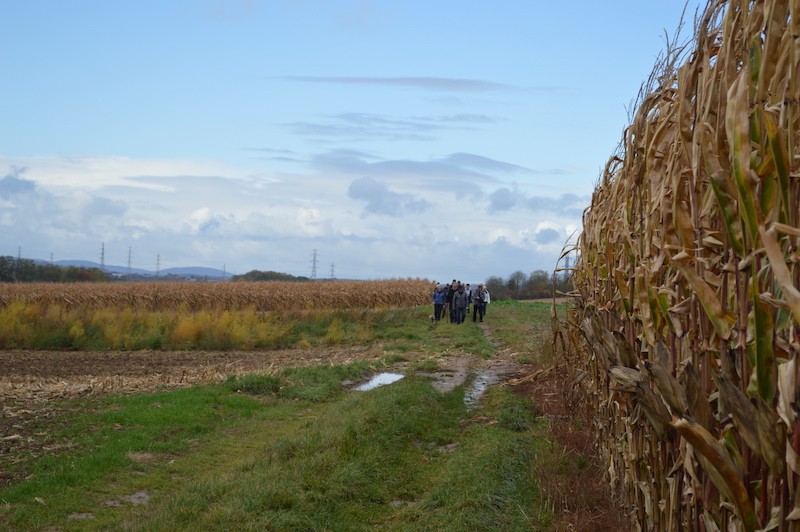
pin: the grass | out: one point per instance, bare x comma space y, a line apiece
524, 327
107, 434
36, 326
296, 450
400, 457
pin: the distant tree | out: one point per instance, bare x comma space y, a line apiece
538, 285
515, 283
497, 288
6, 269
563, 282
13, 270
257, 275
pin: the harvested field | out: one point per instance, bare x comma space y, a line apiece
43, 375
31, 380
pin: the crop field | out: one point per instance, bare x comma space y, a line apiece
195, 296
71, 339
63, 340
208, 316
684, 338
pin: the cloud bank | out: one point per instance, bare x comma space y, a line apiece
373, 218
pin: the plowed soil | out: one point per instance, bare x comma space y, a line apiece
42, 375
31, 380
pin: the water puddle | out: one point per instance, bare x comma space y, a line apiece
379, 380
482, 381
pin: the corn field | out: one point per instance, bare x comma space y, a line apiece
683, 337
258, 296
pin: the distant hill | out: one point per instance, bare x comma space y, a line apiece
197, 271
187, 271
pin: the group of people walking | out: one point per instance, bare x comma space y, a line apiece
454, 300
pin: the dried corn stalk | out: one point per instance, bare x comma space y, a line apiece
684, 337
259, 296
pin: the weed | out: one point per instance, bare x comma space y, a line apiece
254, 384
394, 359
429, 364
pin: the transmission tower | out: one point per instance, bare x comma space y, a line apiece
103, 256
158, 264
129, 260
314, 264
333, 275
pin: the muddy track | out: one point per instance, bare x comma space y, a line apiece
461, 369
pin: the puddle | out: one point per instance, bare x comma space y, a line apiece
379, 380
482, 381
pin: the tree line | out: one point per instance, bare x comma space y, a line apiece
539, 284
18, 270
258, 275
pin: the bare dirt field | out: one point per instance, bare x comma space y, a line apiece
42, 375
30, 381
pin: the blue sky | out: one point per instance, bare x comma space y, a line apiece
434, 139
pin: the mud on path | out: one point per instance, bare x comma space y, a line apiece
459, 369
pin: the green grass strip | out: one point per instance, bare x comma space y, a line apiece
399, 457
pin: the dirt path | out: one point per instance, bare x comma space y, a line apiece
459, 369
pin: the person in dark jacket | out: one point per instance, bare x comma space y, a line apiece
480, 298
449, 291
460, 301
439, 301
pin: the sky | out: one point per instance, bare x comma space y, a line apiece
355, 139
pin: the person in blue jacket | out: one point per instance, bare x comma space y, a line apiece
439, 301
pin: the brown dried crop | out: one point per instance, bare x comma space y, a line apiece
684, 337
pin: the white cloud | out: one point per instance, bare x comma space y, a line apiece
370, 217
91, 173
311, 222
